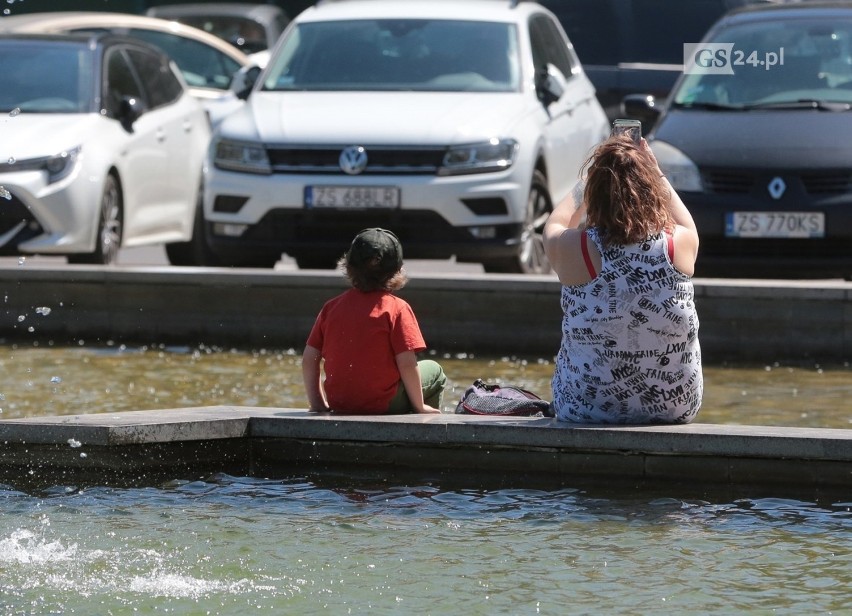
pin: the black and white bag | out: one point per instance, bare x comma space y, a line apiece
482, 398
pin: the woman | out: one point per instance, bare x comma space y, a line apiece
624, 248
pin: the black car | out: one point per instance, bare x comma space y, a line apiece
629, 46
757, 139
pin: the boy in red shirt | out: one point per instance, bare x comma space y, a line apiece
368, 339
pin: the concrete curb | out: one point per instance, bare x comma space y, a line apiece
749, 320
269, 441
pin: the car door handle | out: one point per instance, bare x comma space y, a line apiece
187, 126
161, 135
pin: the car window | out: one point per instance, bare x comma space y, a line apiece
398, 54
202, 66
120, 82
549, 46
42, 78
161, 84
776, 62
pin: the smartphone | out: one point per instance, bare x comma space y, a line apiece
632, 128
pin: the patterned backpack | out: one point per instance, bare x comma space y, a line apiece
482, 398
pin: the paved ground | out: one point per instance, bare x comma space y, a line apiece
156, 255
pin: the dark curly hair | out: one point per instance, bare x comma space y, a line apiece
626, 199
373, 277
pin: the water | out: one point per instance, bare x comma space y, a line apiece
341, 545
354, 543
45, 380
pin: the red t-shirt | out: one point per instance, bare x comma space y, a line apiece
359, 336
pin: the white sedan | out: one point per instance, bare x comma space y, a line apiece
207, 63
102, 148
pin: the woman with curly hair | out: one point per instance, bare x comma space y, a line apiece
624, 247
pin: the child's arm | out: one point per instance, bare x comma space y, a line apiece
406, 362
311, 376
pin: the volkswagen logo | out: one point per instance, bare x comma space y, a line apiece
353, 160
776, 188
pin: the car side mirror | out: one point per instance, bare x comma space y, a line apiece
244, 80
643, 107
550, 84
130, 109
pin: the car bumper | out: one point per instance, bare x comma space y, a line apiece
473, 217
819, 257
41, 218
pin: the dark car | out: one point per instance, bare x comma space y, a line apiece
629, 46
757, 139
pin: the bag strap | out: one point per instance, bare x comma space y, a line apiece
584, 247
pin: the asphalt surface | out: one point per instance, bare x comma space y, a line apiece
156, 256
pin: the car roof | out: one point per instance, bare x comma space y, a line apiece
788, 9
216, 8
61, 20
82, 38
475, 10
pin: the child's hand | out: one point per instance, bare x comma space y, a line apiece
430, 410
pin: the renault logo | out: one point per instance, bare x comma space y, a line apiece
776, 188
353, 160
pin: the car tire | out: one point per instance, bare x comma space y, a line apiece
530, 257
110, 227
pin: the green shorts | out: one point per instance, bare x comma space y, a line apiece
433, 380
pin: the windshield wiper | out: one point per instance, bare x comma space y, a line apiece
802, 103
708, 106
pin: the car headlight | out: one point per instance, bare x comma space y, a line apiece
243, 156
492, 155
57, 166
682, 173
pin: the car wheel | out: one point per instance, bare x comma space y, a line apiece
110, 227
530, 257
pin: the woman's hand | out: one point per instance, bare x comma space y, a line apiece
646, 147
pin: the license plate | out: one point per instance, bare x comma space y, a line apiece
775, 224
352, 196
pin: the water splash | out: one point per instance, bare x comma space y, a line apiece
5, 194
42, 310
74, 443
24, 547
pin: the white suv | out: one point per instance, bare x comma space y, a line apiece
455, 123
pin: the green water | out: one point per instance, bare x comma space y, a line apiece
312, 545
44, 380
317, 543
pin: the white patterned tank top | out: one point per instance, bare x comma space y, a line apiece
629, 351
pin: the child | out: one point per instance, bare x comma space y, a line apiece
368, 339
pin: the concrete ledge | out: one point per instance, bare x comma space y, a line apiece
268, 441
748, 320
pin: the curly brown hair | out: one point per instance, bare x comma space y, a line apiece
372, 278
626, 199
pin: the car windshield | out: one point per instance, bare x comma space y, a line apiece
44, 77
398, 54
775, 64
